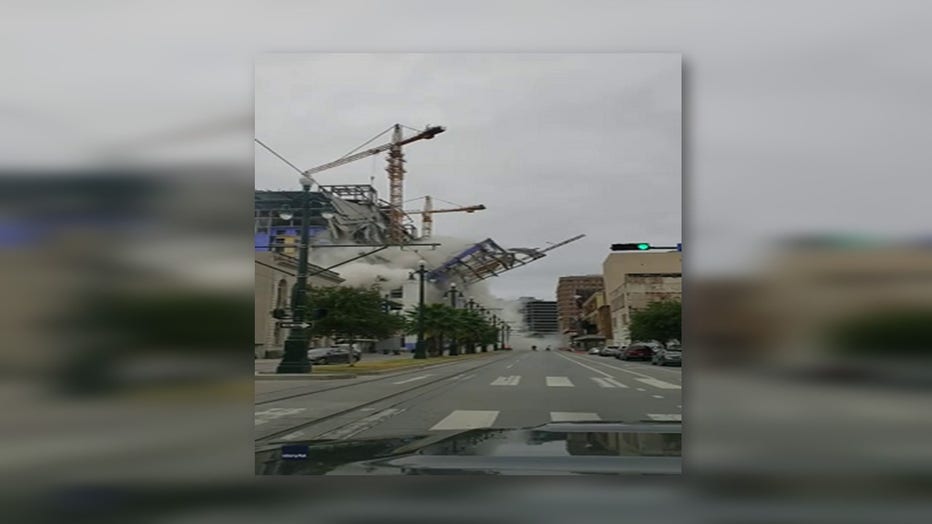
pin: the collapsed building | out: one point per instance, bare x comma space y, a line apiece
354, 215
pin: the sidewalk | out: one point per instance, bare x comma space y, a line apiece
268, 365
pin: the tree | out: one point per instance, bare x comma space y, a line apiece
440, 320
468, 328
660, 321
352, 313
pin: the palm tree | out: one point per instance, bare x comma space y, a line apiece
438, 319
469, 328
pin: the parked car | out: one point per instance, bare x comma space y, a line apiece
668, 356
637, 352
610, 351
595, 351
332, 355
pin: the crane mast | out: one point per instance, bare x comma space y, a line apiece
427, 219
396, 177
395, 170
427, 215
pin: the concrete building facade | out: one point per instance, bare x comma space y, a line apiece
597, 313
635, 280
540, 316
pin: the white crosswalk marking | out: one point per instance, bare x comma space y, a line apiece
412, 379
466, 419
572, 416
507, 381
615, 382
658, 383
665, 416
559, 382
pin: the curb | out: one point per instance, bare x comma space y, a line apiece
301, 376
406, 368
340, 375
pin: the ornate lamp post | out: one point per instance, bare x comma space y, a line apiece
419, 349
295, 359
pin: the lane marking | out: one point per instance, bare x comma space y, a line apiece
602, 382
599, 371
412, 379
466, 419
559, 382
467, 377
641, 389
657, 396
506, 381
614, 367
361, 425
616, 383
572, 416
658, 383
665, 416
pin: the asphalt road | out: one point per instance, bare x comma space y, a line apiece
504, 390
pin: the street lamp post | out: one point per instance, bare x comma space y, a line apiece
470, 305
453, 292
485, 316
419, 350
295, 358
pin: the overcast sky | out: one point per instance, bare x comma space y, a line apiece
553, 144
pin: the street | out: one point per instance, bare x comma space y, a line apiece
499, 390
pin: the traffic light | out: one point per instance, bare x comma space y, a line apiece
636, 246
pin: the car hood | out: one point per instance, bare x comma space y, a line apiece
553, 449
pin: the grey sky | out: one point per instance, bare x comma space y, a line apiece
553, 144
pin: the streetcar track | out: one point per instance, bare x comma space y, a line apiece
349, 384
280, 433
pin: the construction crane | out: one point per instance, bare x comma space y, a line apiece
427, 215
396, 172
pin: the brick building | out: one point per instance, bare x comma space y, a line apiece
569, 307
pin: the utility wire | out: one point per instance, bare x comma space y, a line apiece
283, 159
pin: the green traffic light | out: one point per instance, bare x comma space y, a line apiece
643, 247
